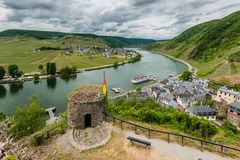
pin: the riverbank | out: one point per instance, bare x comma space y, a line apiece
30, 76
190, 67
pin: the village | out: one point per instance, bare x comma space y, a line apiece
106, 52
194, 97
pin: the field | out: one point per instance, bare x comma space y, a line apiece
21, 51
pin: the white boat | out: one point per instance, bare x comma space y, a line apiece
117, 90
140, 79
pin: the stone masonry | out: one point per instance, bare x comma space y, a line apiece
87, 100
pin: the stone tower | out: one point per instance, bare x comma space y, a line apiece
85, 107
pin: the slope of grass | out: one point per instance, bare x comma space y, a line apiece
21, 51
207, 45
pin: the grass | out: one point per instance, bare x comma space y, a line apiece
117, 148
233, 68
21, 51
210, 70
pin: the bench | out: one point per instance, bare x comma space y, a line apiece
140, 141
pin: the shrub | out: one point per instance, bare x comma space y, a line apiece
11, 157
115, 64
149, 111
186, 76
66, 71
139, 89
40, 67
38, 139
2, 116
27, 120
230, 127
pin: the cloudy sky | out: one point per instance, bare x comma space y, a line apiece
158, 19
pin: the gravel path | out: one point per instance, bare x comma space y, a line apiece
177, 152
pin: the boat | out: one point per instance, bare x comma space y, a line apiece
117, 90
140, 79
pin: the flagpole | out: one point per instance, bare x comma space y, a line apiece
105, 89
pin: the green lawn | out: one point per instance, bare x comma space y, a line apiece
21, 51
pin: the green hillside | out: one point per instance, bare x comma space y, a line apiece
109, 40
20, 47
208, 46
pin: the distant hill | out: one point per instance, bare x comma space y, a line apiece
111, 41
207, 46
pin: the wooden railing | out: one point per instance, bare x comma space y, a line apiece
168, 134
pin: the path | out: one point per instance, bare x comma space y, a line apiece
175, 151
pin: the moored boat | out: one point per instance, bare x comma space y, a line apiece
140, 79
117, 90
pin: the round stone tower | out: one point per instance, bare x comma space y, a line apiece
85, 107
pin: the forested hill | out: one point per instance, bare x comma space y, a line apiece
111, 41
213, 41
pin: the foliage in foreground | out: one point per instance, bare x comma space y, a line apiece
11, 157
150, 112
27, 120
2, 116
50, 131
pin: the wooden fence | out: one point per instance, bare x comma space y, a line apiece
183, 138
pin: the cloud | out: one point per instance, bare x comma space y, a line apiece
158, 19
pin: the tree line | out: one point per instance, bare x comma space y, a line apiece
51, 69
13, 71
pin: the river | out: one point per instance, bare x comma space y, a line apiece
54, 92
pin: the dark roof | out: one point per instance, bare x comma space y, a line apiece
202, 111
165, 81
158, 89
235, 106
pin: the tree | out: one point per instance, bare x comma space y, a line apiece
115, 64
40, 67
66, 71
51, 68
73, 69
2, 72
48, 68
186, 76
13, 70
27, 120
35, 78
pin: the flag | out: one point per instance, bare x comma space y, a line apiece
104, 89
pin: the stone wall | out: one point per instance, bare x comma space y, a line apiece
78, 110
